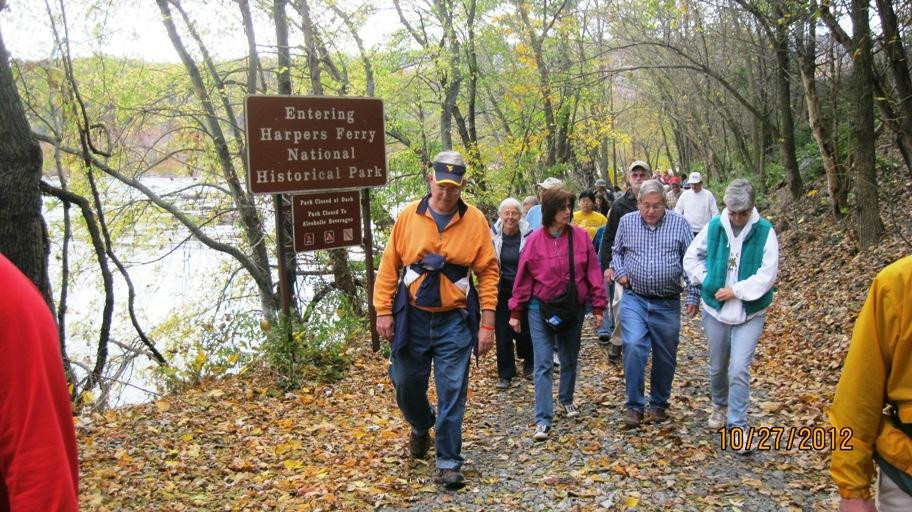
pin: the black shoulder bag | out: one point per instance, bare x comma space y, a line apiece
560, 312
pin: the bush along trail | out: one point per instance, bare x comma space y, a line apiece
239, 444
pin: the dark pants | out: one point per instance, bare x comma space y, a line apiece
506, 362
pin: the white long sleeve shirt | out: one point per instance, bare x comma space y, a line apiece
752, 288
697, 208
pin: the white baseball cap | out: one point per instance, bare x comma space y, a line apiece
551, 183
695, 177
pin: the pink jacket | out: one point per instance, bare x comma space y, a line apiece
544, 271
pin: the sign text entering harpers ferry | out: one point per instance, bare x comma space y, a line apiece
309, 143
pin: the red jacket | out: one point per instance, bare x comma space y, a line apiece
38, 460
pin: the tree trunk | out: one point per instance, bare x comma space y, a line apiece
23, 233
837, 182
250, 218
544, 83
342, 274
890, 118
867, 208
786, 119
899, 65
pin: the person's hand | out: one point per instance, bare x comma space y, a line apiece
724, 294
624, 282
597, 320
515, 325
485, 340
856, 505
385, 326
609, 274
691, 310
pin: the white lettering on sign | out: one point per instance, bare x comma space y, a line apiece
298, 154
293, 136
331, 114
346, 134
370, 172
289, 176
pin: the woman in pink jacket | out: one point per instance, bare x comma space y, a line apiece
543, 276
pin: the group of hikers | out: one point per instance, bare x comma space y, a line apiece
534, 286
540, 269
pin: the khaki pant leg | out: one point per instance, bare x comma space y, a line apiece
616, 311
889, 497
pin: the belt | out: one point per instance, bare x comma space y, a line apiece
659, 297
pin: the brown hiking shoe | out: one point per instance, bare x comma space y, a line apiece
451, 479
419, 444
614, 353
656, 416
632, 418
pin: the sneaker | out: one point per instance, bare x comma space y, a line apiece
747, 448
541, 432
604, 339
632, 418
556, 361
614, 353
419, 444
570, 411
451, 479
502, 384
716, 418
656, 415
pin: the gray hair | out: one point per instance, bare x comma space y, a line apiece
530, 200
739, 195
651, 187
508, 202
450, 157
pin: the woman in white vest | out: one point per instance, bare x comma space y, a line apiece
735, 260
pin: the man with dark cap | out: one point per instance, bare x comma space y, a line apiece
609, 332
434, 314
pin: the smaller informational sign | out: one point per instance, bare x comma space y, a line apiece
326, 221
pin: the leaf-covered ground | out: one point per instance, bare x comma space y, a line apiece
236, 444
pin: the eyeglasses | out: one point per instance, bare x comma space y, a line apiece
654, 207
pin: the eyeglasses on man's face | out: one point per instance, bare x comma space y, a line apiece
651, 207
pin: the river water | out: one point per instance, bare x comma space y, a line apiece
175, 279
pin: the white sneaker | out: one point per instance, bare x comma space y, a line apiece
570, 411
541, 432
716, 418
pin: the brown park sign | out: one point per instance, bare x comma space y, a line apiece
326, 221
304, 143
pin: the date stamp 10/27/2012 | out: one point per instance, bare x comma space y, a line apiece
786, 438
